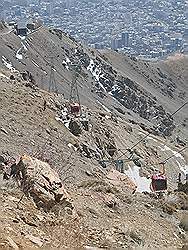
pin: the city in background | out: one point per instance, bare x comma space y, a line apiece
149, 29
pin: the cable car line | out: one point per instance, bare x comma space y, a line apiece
175, 112
167, 159
127, 149
175, 154
130, 149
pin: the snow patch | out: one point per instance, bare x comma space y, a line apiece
22, 37
68, 60
96, 72
65, 64
115, 87
65, 122
70, 145
18, 55
8, 64
166, 148
91, 65
182, 168
179, 158
142, 183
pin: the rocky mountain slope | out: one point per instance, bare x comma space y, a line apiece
149, 90
121, 96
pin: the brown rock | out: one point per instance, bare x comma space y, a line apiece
35, 240
12, 243
184, 222
121, 180
41, 182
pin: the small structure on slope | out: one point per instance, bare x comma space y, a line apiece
21, 28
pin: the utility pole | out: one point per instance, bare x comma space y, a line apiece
52, 83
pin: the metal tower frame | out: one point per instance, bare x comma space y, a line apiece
74, 95
52, 83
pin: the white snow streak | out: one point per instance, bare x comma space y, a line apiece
18, 55
142, 183
176, 154
8, 64
96, 72
35, 64
23, 48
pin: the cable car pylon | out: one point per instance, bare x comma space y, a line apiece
52, 87
74, 98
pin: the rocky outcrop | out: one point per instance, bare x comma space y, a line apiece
75, 127
41, 182
175, 201
121, 181
128, 93
135, 99
184, 222
2, 25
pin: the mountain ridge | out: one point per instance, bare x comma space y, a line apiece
142, 79
111, 211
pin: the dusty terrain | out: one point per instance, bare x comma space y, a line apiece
28, 129
109, 213
147, 91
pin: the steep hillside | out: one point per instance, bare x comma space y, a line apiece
148, 90
109, 215
177, 65
114, 206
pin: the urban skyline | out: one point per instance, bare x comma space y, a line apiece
149, 29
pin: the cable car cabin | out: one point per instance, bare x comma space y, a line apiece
158, 182
103, 163
119, 166
75, 108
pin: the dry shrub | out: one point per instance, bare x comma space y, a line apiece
99, 186
66, 233
169, 208
174, 201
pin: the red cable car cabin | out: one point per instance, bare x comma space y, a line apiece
158, 182
75, 108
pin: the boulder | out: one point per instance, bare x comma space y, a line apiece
75, 128
41, 182
174, 201
110, 200
111, 148
121, 181
184, 222
35, 240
